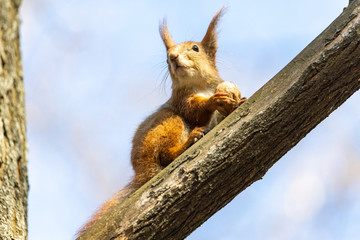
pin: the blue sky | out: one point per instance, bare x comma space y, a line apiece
93, 71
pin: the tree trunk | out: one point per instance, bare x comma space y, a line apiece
243, 147
13, 157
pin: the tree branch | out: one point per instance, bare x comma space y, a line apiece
241, 149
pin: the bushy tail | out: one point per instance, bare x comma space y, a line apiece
118, 197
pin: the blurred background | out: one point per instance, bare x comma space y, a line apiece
94, 70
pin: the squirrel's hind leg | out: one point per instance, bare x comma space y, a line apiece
174, 152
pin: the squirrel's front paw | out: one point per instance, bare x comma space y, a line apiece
231, 89
242, 100
197, 133
223, 102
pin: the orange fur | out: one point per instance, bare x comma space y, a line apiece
198, 96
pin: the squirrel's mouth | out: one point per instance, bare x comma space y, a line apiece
177, 66
181, 70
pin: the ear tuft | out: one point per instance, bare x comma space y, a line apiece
164, 33
209, 42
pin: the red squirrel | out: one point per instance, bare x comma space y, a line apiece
199, 100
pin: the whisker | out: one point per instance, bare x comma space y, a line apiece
163, 81
223, 64
163, 75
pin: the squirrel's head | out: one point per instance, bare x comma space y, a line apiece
192, 62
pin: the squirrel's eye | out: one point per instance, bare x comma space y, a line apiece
195, 48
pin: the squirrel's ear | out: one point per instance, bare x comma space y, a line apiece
209, 42
164, 33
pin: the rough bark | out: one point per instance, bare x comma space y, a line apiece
242, 148
13, 161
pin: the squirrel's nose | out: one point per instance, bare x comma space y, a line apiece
173, 56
